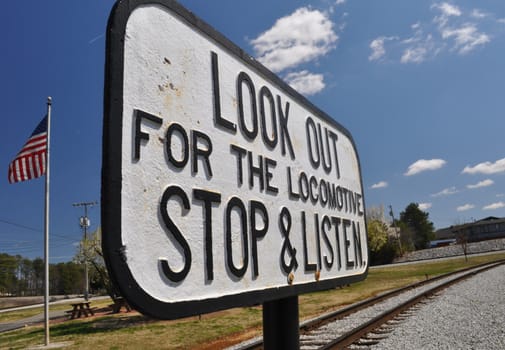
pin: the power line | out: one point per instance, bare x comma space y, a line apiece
23, 246
20, 226
36, 230
32, 248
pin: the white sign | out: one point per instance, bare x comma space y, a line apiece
221, 185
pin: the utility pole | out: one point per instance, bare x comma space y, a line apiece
394, 228
85, 223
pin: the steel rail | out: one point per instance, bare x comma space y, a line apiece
341, 313
359, 332
309, 325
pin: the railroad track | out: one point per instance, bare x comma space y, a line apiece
367, 322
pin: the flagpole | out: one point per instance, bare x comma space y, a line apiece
46, 225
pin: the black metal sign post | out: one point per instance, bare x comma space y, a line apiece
281, 324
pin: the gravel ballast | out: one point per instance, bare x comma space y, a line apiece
468, 315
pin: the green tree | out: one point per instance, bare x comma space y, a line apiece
382, 248
406, 237
71, 278
23, 277
418, 223
8, 278
38, 276
25, 271
377, 235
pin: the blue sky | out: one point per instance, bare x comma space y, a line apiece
419, 84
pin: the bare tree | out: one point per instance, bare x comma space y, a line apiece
375, 213
90, 252
461, 234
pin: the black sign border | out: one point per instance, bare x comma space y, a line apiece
114, 255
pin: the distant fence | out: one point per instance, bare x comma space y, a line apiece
453, 250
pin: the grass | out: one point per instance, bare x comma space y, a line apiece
216, 330
6, 317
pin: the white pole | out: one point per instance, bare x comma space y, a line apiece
46, 225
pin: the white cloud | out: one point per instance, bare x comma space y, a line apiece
501, 20
446, 192
333, 6
414, 54
486, 168
377, 47
300, 37
494, 206
380, 184
452, 30
447, 10
483, 183
424, 165
466, 38
465, 207
305, 82
416, 26
420, 46
378, 51
424, 206
476, 13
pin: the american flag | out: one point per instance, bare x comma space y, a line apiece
30, 162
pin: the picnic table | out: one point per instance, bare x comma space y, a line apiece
80, 309
118, 304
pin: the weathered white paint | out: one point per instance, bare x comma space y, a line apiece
167, 73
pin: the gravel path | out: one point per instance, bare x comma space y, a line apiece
469, 315
321, 336
426, 333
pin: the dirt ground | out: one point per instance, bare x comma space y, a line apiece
125, 319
